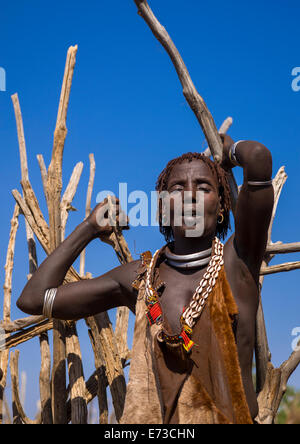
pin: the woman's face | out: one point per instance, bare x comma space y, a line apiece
194, 200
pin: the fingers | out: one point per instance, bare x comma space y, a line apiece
109, 214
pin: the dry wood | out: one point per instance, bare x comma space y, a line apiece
262, 350
30, 219
4, 354
54, 188
26, 335
91, 390
6, 415
44, 173
222, 130
19, 324
195, 101
88, 206
192, 96
288, 266
72, 275
76, 377
14, 371
45, 379
9, 264
100, 371
104, 337
121, 330
280, 248
4, 357
67, 199
270, 397
34, 207
54, 176
25, 178
119, 244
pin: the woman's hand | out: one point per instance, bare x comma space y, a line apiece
107, 217
227, 141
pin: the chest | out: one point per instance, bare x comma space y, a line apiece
177, 293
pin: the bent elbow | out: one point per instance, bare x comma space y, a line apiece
25, 303
260, 165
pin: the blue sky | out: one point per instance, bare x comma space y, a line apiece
127, 108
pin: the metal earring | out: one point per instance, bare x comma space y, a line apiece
222, 218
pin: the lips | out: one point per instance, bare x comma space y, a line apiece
191, 211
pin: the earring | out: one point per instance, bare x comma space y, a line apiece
221, 215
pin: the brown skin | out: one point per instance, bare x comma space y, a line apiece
243, 254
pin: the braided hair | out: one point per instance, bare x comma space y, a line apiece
220, 176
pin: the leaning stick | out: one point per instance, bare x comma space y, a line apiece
68, 197
262, 351
25, 335
280, 248
43, 170
4, 357
9, 264
45, 378
100, 389
288, 266
108, 351
123, 253
25, 178
54, 175
88, 206
76, 377
4, 354
19, 324
54, 188
30, 198
72, 275
270, 397
192, 96
14, 371
222, 130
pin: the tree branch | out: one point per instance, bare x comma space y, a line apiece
14, 371
88, 206
192, 96
68, 197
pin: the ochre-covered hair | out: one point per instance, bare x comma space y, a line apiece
224, 192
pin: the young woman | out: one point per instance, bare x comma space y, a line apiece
195, 301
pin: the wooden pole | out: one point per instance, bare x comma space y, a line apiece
54, 188
192, 96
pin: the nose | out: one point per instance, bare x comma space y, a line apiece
191, 192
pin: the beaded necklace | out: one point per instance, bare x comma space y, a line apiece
193, 311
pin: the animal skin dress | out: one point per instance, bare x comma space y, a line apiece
166, 384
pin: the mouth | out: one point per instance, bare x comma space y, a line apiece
191, 211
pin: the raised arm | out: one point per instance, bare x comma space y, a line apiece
255, 201
84, 298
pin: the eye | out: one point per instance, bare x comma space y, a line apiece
176, 188
203, 187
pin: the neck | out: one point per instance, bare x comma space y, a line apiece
190, 245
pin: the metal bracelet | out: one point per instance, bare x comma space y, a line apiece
48, 302
260, 184
232, 154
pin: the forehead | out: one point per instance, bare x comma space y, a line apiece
191, 169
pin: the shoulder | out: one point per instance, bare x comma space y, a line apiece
129, 276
